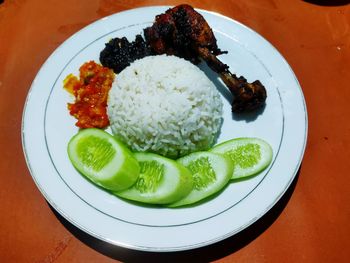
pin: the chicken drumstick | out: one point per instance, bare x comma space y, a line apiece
183, 32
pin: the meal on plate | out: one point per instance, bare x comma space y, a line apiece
165, 116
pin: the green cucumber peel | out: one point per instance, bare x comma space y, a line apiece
161, 181
102, 159
210, 171
249, 156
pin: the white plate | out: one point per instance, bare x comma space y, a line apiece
47, 128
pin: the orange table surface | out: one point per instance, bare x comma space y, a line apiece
311, 223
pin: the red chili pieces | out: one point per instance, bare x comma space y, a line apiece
91, 93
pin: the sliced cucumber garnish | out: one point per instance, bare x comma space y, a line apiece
161, 181
103, 160
249, 155
210, 173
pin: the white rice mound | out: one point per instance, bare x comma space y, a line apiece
166, 105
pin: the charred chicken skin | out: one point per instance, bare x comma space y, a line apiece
183, 32
180, 31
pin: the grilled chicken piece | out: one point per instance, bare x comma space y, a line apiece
247, 96
183, 32
179, 31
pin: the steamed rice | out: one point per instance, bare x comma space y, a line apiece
166, 105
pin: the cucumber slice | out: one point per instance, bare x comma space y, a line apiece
102, 159
249, 155
210, 172
161, 181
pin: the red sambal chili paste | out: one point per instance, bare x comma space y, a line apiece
91, 92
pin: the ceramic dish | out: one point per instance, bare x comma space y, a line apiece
47, 128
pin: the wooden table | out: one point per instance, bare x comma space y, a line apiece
309, 224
